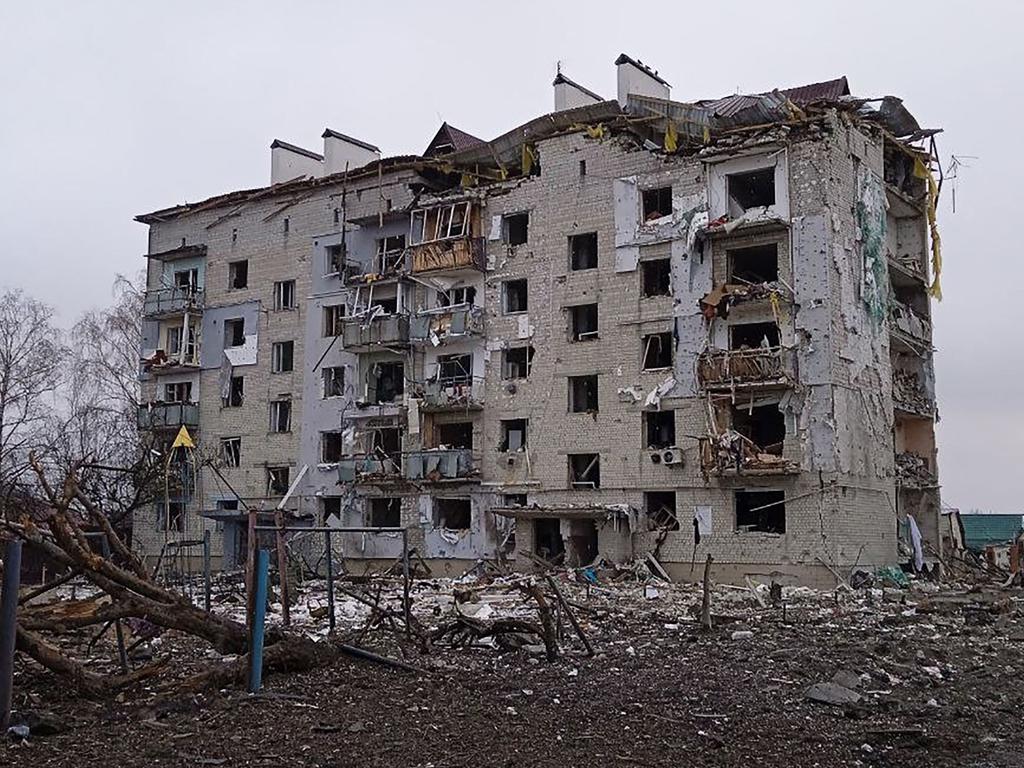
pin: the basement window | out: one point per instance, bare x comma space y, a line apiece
763, 425
234, 332
231, 451
282, 356
757, 264
385, 513
660, 507
334, 319
754, 189
284, 294
455, 369
281, 416
584, 470
657, 203
455, 514
753, 336
331, 447
583, 322
388, 381
515, 228
513, 435
456, 434
657, 351
656, 277
583, 251
659, 429
236, 392
760, 511
514, 296
238, 274
517, 362
583, 394
277, 481
334, 381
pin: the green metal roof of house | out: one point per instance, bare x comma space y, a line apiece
982, 530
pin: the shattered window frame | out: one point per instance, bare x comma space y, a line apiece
383, 512
333, 381
578, 313
455, 369
236, 393
510, 368
584, 393
234, 332
389, 253
175, 521
281, 416
334, 320
461, 431
752, 259
231, 451
584, 470
518, 288
284, 295
656, 277
178, 392
510, 427
238, 275
769, 520
335, 257
744, 186
583, 252
655, 203
654, 351
662, 514
457, 296
741, 334
282, 356
450, 509
278, 480
332, 446
515, 228
657, 423
441, 222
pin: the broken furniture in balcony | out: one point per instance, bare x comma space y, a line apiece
446, 394
722, 298
436, 326
437, 464
737, 368
372, 329
730, 452
913, 471
167, 302
161, 415
447, 255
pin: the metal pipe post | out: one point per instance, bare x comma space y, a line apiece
259, 618
206, 566
8, 628
282, 566
330, 580
405, 582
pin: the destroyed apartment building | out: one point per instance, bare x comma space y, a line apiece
632, 327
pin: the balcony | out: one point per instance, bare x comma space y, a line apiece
731, 454
446, 324
167, 415
909, 395
368, 468
166, 302
741, 368
362, 334
913, 471
908, 325
449, 255
437, 464
446, 394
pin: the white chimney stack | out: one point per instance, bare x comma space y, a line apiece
288, 162
636, 78
341, 150
570, 94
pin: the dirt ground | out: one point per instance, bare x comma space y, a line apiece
935, 671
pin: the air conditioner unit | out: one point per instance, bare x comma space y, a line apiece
672, 456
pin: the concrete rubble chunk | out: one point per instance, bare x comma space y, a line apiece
832, 693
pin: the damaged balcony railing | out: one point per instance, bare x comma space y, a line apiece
442, 394
369, 467
368, 330
436, 326
167, 415
172, 301
904, 320
727, 369
439, 464
732, 453
443, 255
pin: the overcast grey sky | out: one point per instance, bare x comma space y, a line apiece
115, 108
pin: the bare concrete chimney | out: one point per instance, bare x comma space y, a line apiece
636, 78
570, 94
341, 150
288, 162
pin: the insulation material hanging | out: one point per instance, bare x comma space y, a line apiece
871, 206
922, 171
671, 137
529, 158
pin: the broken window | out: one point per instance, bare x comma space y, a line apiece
517, 362
514, 500
659, 429
514, 296
277, 481
385, 513
513, 435
583, 251
236, 392
754, 189
660, 507
234, 332
753, 335
515, 228
583, 394
334, 319
387, 306
178, 392
583, 322
453, 513
284, 294
657, 350
763, 425
330, 505
456, 434
280, 415
388, 382
583, 167
547, 539
238, 274
390, 251
657, 203
584, 470
335, 259
334, 381
761, 511
656, 277
170, 516
282, 354
231, 451
387, 442
440, 223
465, 294
186, 279
455, 369
331, 447
757, 264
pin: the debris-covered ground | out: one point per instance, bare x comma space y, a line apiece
922, 676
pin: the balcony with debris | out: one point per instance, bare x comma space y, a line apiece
446, 238
446, 324
909, 393
731, 453
913, 471
909, 328
171, 416
161, 303
370, 468
747, 437
374, 328
450, 393
175, 351
746, 368
441, 464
